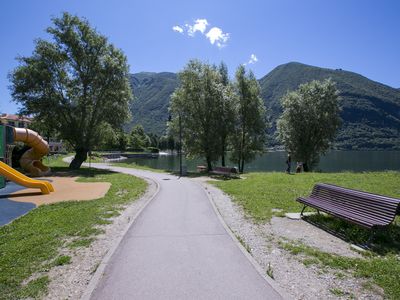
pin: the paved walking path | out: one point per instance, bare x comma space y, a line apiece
178, 249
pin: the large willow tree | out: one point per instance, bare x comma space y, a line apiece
197, 104
248, 138
76, 84
310, 121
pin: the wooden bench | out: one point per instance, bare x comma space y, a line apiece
201, 169
364, 209
225, 171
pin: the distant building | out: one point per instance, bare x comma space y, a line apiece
15, 120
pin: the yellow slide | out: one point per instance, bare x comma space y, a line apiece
21, 179
31, 159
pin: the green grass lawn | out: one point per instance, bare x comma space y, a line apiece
30, 245
260, 193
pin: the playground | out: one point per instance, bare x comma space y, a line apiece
20, 193
177, 227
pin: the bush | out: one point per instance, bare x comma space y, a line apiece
153, 149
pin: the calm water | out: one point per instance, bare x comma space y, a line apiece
334, 161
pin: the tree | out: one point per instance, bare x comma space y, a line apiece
309, 121
226, 112
195, 103
138, 138
114, 139
249, 133
76, 84
154, 140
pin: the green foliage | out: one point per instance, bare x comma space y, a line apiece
196, 104
81, 243
309, 121
33, 290
62, 260
76, 84
369, 114
138, 139
28, 244
227, 114
248, 136
113, 139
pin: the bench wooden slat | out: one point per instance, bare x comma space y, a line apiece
356, 213
368, 208
378, 203
335, 197
362, 208
363, 195
227, 171
353, 215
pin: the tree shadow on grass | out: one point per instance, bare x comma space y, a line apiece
383, 242
224, 177
82, 172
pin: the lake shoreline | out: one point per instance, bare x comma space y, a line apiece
334, 161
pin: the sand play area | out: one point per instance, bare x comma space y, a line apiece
65, 189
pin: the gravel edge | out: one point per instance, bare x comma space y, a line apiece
288, 272
78, 279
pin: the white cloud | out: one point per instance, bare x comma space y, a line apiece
177, 28
215, 35
199, 25
218, 37
253, 59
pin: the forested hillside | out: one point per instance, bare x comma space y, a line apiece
150, 106
370, 110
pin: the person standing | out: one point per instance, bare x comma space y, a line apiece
299, 166
288, 162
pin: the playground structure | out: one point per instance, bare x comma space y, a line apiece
30, 161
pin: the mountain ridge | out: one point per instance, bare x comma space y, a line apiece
370, 110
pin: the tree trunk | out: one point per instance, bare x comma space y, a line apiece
209, 166
223, 156
242, 166
80, 157
305, 167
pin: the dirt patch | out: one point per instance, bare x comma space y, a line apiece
65, 189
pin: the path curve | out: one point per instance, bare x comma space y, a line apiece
177, 248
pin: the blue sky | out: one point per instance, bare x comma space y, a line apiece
359, 36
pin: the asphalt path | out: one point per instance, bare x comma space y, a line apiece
178, 248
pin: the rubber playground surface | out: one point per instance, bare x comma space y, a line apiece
15, 200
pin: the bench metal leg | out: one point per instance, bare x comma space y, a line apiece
304, 207
374, 233
371, 237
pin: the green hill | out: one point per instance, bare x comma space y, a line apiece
152, 92
371, 110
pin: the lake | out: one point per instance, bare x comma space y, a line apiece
334, 161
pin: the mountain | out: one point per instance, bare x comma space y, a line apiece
150, 106
370, 110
